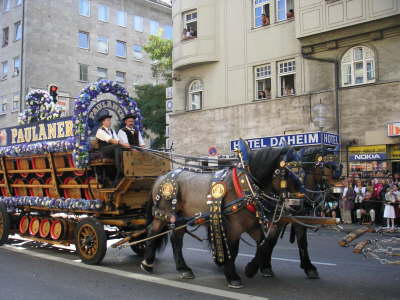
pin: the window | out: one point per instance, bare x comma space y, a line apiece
168, 32
263, 82
18, 2
6, 5
284, 9
17, 66
18, 31
15, 103
4, 69
138, 52
138, 23
101, 73
3, 105
83, 40
190, 25
103, 12
287, 72
261, 13
121, 49
83, 72
102, 44
120, 77
5, 37
195, 95
121, 18
358, 66
154, 27
84, 8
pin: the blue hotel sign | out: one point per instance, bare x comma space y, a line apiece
295, 140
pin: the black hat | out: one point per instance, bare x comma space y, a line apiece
104, 116
128, 116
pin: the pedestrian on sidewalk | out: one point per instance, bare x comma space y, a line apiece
391, 198
347, 203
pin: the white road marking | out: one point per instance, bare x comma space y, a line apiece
274, 258
137, 276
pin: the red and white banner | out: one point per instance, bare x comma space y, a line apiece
393, 129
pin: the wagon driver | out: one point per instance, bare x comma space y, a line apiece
128, 134
109, 143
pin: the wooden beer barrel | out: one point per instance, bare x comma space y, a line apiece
44, 228
23, 164
91, 193
20, 191
10, 165
72, 165
23, 225
36, 191
50, 192
56, 229
72, 192
39, 163
34, 226
59, 162
4, 190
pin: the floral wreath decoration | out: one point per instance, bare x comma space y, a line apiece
82, 104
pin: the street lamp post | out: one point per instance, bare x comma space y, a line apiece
321, 120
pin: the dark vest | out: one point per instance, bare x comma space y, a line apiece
133, 139
103, 143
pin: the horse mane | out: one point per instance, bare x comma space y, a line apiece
263, 162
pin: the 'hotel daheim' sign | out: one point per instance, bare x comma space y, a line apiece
37, 132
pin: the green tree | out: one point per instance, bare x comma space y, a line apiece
160, 52
151, 100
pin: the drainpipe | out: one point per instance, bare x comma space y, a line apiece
21, 71
336, 75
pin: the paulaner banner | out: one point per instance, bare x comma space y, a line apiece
37, 132
295, 140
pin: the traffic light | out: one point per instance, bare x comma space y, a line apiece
53, 92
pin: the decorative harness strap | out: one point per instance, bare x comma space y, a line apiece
219, 243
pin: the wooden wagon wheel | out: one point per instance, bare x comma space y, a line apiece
4, 224
90, 241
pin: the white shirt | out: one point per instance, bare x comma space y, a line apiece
124, 139
106, 134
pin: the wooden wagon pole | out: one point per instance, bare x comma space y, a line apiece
126, 239
310, 220
354, 235
360, 246
5, 174
53, 173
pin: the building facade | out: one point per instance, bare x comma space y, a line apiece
259, 68
71, 43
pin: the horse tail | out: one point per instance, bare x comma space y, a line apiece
161, 242
292, 234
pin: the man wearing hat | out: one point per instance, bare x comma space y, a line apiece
110, 144
128, 134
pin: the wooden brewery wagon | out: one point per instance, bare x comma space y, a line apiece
46, 198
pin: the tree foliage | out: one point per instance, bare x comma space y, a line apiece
160, 52
151, 100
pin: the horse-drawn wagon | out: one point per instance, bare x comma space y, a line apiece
53, 182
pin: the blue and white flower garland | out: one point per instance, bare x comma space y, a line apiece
40, 107
82, 104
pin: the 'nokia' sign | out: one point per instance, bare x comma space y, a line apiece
367, 156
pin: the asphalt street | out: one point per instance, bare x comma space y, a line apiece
30, 270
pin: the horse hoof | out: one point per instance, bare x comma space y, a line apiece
187, 275
267, 272
251, 270
145, 268
235, 284
312, 274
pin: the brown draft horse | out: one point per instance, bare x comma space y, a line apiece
192, 191
318, 179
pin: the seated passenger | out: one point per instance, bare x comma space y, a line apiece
109, 144
128, 134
